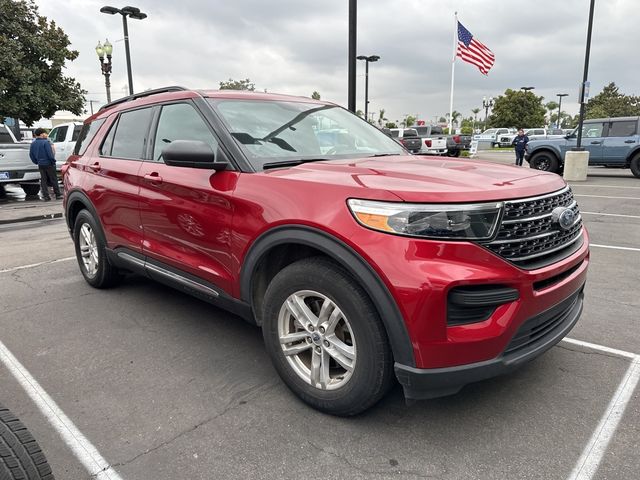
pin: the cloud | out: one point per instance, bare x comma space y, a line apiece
296, 47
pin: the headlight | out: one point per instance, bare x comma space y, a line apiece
455, 222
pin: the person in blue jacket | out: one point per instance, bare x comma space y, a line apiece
520, 142
41, 153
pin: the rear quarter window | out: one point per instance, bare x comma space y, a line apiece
86, 134
622, 129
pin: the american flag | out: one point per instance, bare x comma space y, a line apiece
472, 51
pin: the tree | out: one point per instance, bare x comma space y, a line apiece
390, 125
232, 84
409, 121
360, 113
381, 117
517, 109
33, 52
552, 108
611, 103
315, 95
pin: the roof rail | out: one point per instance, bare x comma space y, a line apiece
146, 93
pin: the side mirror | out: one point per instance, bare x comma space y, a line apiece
191, 153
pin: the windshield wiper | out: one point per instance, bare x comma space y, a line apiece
293, 163
383, 155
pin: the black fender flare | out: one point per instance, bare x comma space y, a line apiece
632, 154
73, 198
345, 256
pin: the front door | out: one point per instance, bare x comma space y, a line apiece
186, 212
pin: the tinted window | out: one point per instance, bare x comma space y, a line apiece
131, 134
410, 132
395, 133
87, 132
422, 130
5, 137
622, 129
592, 130
107, 144
58, 134
181, 122
436, 130
76, 132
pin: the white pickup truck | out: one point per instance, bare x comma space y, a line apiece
15, 164
64, 138
494, 135
532, 134
434, 141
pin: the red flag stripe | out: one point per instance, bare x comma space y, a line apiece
469, 56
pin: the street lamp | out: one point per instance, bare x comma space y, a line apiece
132, 12
103, 50
370, 58
527, 89
486, 104
560, 95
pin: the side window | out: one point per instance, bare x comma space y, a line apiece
76, 132
130, 136
85, 136
107, 144
625, 128
59, 134
180, 121
592, 130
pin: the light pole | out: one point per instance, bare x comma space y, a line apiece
132, 12
103, 50
486, 104
560, 95
370, 58
527, 89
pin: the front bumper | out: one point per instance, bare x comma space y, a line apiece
536, 335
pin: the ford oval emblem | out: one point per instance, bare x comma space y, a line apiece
564, 217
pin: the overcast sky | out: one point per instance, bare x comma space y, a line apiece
298, 46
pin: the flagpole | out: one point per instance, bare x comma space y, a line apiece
453, 70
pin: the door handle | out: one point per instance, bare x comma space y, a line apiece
596, 143
153, 178
629, 141
95, 167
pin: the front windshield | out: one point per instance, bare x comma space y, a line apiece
270, 131
491, 130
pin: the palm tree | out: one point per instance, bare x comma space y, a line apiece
381, 117
475, 112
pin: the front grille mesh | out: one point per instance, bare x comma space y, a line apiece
528, 235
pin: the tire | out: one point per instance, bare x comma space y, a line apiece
21, 457
91, 253
635, 166
30, 189
357, 338
453, 153
544, 161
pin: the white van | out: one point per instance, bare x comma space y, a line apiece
64, 138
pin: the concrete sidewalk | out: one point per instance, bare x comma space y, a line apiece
29, 210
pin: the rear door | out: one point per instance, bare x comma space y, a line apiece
186, 212
620, 140
111, 177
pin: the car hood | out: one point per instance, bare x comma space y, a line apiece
427, 179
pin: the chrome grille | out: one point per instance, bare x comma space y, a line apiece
528, 235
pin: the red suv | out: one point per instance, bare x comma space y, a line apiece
360, 262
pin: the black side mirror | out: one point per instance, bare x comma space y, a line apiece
191, 153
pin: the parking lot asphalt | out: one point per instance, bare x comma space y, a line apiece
165, 386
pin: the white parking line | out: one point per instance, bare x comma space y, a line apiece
610, 214
22, 267
605, 196
614, 247
82, 448
589, 461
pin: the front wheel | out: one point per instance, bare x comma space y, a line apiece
544, 161
91, 253
635, 166
325, 338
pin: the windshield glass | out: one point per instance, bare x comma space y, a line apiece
490, 131
273, 131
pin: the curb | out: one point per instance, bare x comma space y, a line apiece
46, 216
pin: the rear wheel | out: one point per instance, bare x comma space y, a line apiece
30, 189
325, 338
453, 153
635, 166
20, 455
544, 161
91, 253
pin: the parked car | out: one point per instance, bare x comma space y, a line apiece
533, 134
358, 263
493, 135
15, 165
612, 142
434, 141
64, 138
407, 137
